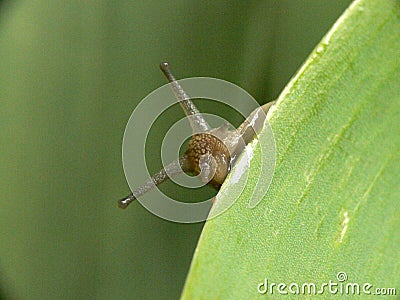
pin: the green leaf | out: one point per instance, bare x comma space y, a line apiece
333, 205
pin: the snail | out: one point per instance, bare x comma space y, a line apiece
211, 152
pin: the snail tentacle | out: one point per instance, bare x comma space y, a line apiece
197, 122
176, 167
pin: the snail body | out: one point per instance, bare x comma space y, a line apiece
211, 152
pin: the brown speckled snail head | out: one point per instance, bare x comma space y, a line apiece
210, 152
206, 156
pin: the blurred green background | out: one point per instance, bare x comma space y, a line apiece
71, 73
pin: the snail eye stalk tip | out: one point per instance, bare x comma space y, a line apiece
124, 202
164, 66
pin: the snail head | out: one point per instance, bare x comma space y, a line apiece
209, 154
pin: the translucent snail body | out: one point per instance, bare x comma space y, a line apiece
211, 152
